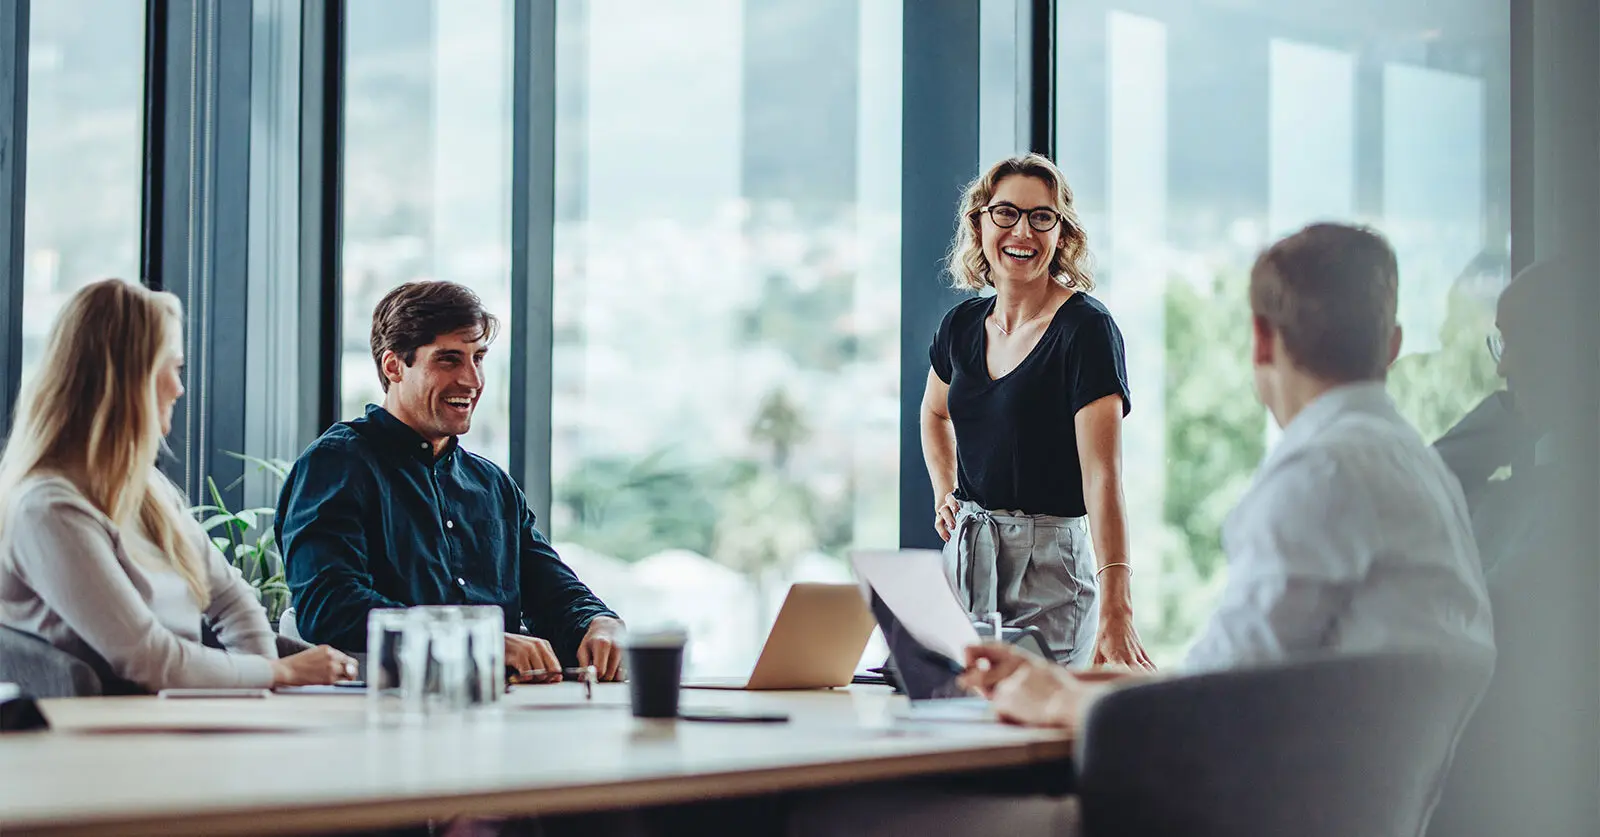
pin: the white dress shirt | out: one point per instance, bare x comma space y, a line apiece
1353, 538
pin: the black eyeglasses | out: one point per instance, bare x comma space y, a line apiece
1006, 216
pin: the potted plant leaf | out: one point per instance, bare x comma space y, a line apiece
246, 538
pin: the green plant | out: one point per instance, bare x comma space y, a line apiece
247, 539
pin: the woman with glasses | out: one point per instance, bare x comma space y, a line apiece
1022, 423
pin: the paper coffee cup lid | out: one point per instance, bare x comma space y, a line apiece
667, 636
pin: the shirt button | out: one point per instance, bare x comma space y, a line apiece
461, 581
449, 524
424, 445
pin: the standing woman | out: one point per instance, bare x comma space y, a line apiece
1022, 423
98, 555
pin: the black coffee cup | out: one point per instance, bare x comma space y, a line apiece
655, 672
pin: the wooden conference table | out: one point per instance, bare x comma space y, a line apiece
306, 763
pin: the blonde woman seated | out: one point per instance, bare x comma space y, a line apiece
97, 553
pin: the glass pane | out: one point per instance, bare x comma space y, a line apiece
1196, 133
85, 159
427, 189
727, 305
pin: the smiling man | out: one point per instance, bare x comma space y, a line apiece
387, 510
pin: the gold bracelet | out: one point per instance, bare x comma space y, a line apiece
1114, 564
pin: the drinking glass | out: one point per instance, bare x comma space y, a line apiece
486, 655
386, 634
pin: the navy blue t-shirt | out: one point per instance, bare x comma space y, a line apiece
1016, 446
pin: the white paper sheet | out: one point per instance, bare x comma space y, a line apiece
912, 583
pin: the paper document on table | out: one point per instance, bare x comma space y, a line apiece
912, 583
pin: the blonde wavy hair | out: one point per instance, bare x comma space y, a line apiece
1070, 265
92, 410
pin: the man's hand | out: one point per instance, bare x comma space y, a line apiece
530, 653
1024, 689
990, 663
1040, 694
602, 647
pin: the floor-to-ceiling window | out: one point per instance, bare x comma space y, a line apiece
427, 179
84, 164
726, 397
1195, 133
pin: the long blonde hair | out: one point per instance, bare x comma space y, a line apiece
91, 410
1070, 264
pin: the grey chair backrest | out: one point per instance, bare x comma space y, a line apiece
289, 646
43, 670
1356, 745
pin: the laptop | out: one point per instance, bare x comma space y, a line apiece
819, 636
929, 680
922, 674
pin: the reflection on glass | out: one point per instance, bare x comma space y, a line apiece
427, 191
1196, 133
726, 401
85, 135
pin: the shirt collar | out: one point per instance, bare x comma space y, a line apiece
1360, 397
399, 435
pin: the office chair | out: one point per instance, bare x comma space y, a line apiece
1325, 748
42, 670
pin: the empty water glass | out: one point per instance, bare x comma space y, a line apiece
386, 633
433, 662
486, 655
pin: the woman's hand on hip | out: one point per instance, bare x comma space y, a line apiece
944, 516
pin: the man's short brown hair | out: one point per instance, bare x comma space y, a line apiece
1331, 291
416, 313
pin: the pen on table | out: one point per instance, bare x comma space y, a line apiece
579, 672
588, 675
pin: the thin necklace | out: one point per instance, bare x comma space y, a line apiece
1015, 326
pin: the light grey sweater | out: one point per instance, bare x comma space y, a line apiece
70, 575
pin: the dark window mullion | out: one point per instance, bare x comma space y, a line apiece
939, 154
13, 178
155, 114
322, 46
1041, 78
533, 120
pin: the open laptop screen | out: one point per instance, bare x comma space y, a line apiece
920, 674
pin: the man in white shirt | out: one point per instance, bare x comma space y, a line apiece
1354, 536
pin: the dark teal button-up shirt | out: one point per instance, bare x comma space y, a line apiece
369, 518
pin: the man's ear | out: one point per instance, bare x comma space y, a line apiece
1395, 341
1262, 349
392, 365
